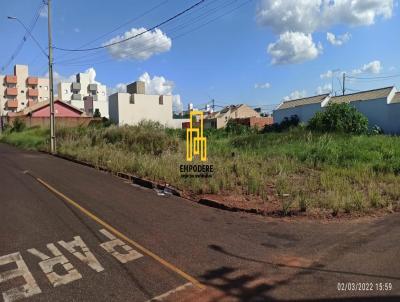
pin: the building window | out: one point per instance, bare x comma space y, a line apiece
161, 100
22, 91
66, 91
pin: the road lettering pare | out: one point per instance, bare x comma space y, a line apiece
52, 255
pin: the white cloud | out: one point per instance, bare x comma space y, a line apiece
57, 78
295, 95
43, 12
160, 85
296, 20
326, 88
262, 85
338, 40
311, 15
140, 48
374, 67
293, 47
120, 87
157, 85
327, 75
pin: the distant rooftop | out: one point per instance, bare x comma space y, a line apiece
362, 95
396, 98
303, 101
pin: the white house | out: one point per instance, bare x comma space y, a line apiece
304, 108
135, 106
381, 107
85, 95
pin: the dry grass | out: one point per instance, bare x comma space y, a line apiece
303, 170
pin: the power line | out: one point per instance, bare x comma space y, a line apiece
137, 35
79, 62
152, 9
28, 31
375, 78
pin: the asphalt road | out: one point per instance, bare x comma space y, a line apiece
52, 251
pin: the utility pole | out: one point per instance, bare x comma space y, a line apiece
52, 117
344, 82
213, 105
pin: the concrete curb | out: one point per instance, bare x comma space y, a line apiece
215, 204
154, 185
135, 179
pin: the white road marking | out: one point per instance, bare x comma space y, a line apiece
47, 264
29, 289
87, 256
109, 246
168, 293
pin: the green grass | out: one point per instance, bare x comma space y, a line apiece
304, 170
30, 139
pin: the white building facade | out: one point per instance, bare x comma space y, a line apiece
381, 107
135, 106
21, 90
85, 95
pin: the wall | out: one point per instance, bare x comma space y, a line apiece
378, 112
305, 112
254, 121
59, 110
43, 89
145, 107
45, 121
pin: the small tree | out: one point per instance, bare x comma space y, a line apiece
97, 113
18, 125
339, 118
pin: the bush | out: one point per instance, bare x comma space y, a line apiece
342, 118
97, 113
238, 129
287, 123
18, 126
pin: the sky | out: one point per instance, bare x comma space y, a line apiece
257, 52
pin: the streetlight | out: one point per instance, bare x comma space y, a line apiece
50, 59
29, 32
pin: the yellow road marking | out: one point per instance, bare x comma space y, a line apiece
120, 235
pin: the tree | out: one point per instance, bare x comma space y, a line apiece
97, 113
342, 117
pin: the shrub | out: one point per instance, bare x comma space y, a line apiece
287, 123
238, 129
18, 126
97, 113
342, 118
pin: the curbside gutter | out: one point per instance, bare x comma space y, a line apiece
154, 185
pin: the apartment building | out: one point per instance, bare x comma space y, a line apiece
135, 106
85, 95
21, 90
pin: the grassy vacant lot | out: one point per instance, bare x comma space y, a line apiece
297, 170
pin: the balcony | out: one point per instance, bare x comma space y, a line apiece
12, 104
33, 93
11, 92
32, 81
76, 86
76, 97
93, 87
10, 79
31, 103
